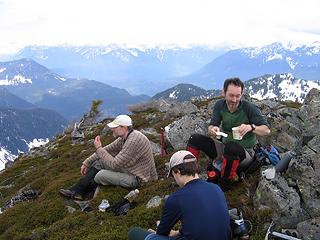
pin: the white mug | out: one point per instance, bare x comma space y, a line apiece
269, 173
236, 133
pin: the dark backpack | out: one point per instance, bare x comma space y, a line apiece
263, 156
269, 154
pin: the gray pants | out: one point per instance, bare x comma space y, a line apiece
243, 164
107, 176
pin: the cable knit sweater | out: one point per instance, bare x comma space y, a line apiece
133, 155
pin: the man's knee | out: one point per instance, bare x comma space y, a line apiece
102, 178
196, 140
234, 149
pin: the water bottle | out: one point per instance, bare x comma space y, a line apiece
132, 195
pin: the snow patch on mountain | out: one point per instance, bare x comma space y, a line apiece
16, 80
2, 70
37, 143
295, 88
291, 62
274, 57
174, 95
284, 87
5, 156
61, 79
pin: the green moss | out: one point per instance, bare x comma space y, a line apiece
291, 104
203, 103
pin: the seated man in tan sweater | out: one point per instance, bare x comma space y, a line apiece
126, 162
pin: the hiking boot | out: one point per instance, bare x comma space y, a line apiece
70, 194
239, 229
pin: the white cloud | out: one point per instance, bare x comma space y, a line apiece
49, 22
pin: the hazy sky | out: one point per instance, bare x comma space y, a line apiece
246, 22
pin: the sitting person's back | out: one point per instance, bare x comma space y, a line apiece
199, 206
202, 210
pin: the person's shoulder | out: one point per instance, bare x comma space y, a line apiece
138, 134
173, 197
220, 103
246, 102
209, 185
249, 105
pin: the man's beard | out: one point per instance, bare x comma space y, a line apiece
233, 106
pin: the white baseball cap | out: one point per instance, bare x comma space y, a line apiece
121, 120
179, 157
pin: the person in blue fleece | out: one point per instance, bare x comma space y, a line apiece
200, 206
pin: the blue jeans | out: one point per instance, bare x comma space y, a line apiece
142, 234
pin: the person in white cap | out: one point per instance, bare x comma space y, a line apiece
200, 206
128, 161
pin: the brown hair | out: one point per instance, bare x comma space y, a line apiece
188, 168
234, 81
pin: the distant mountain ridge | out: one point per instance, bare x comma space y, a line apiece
8, 100
247, 63
279, 86
34, 83
185, 92
19, 126
151, 70
22, 127
138, 69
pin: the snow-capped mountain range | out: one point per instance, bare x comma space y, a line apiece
280, 86
283, 87
138, 69
301, 61
42, 87
149, 70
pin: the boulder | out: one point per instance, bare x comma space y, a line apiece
305, 172
309, 113
156, 149
309, 229
180, 131
175, 109
285, 202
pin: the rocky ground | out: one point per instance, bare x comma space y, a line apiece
291, 199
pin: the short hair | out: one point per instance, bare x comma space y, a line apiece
188, 168
130, 128
234, 81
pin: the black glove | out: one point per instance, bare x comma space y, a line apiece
122, 210
122, 207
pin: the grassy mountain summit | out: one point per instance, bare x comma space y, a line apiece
48, 168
